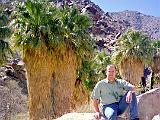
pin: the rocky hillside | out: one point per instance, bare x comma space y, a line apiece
139, 21
109, 26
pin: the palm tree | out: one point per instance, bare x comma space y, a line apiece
5, 51
53, 42
156, 57
132, 51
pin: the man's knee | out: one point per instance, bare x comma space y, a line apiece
110, 114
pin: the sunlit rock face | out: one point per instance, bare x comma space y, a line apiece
149, 104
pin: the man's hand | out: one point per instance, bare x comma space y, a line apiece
97, 115
129, 97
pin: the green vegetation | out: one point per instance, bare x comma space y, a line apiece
93, 70
5, 32
156, 47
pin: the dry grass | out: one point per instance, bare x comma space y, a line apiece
131, 69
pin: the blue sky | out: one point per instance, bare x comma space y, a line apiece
147, 7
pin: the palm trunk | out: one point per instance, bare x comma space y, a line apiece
156, 65
39, 75
64, 83
51, 81
131, 69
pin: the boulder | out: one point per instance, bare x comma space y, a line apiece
82, 116
149, 104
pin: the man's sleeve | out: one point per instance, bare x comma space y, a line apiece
96, 92
126, 85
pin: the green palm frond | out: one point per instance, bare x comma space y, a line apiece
156, 46
3, 19
5, 32
5, 52
39, 23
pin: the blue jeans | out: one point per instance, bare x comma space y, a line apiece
111, 111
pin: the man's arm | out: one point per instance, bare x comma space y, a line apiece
95, 96
129, 94
128, 87
132, 88
96, 105
96, 108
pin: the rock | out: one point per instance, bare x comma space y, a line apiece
91, 9
81, 116
77, 116
14, 71
149, 104
157, 117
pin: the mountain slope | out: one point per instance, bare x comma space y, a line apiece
139, 21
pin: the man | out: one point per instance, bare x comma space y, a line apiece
115, 96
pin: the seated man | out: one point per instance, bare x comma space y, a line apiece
115, 96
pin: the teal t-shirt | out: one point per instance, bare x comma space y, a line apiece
109, 93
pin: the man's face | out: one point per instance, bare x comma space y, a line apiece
111, 73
